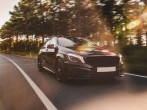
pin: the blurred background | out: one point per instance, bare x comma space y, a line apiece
119, 24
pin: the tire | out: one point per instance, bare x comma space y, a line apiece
40, 64
60, 70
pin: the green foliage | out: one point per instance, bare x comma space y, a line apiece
5, 45
102, 19
135, 59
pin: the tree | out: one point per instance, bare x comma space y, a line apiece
133, 11
115, 19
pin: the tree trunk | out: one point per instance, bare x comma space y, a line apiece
139, 42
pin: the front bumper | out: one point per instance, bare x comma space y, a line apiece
85, 71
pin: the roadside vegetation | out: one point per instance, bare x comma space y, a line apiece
135, 59
119, 23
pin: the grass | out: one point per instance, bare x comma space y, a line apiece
135, 59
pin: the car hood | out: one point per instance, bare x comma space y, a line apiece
84, 51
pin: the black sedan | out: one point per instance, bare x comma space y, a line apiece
78, 58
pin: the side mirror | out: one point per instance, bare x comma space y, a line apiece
51, 46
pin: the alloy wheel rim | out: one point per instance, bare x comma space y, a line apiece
58, 72
59, 68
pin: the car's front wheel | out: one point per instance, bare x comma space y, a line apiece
40, 64
60, 70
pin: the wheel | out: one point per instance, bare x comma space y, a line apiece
40, 64
60, 70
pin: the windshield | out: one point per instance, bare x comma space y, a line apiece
72, 42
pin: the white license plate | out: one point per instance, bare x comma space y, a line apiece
106, 69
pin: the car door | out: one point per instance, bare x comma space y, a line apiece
43, 52
50, 54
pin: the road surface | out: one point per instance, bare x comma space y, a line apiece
23, 87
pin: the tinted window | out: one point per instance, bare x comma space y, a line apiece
47, 43
53, 41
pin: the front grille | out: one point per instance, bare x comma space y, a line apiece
102, 61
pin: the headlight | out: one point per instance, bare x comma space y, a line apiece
75, 58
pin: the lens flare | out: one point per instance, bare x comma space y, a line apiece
144, 17
134, 24
84, 48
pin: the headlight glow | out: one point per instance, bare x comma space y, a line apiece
75, 58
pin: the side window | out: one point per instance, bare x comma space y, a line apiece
66, 42
53, 41
47, 43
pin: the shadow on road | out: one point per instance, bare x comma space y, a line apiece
74, 92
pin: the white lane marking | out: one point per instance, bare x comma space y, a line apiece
40, 94
136, 75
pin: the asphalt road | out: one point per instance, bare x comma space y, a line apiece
16, 93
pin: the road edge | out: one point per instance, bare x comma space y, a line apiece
136, 75
47, 103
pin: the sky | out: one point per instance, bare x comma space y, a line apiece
6, 6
